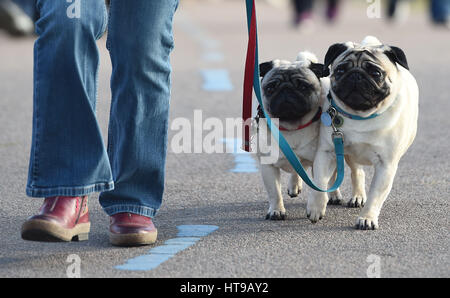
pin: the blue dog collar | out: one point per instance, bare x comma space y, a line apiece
348, 115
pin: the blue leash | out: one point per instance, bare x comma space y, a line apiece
337, 136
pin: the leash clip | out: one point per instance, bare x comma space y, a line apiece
336, 132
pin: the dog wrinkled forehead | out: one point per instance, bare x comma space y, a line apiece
286, 65
283, 66
370, 45
371, 52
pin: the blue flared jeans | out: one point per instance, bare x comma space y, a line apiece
68, 156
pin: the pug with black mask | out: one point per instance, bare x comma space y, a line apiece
292, 96
373, 100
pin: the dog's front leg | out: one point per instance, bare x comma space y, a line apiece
379, 190
295, 185
359, 197
323, 168
335, 198
271, 179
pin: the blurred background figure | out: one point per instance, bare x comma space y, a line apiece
303, 11
398, 10
440, 12
332, 10
17, 18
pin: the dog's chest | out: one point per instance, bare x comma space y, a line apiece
365, 149
304, 148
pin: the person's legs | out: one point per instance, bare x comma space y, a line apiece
68, 157
140, 41
303, 10
68, 160
392, 8
440, 10
302, 6
332, 10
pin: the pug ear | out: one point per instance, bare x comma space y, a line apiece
396, 55
333, 52
318, 69
265, 67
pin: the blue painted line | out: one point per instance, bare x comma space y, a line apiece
243, 160
216, 80
187, 236
198, 34
213, 57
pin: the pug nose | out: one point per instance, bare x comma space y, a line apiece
356, 77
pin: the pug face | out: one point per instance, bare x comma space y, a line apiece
290, 89
363, 76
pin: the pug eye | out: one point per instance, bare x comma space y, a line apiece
376, 74
270, 88
302, 86
340, 71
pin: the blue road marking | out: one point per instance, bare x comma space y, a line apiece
243, 161
216, 80
213, 57
187, 236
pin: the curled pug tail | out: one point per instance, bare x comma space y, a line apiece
307, 57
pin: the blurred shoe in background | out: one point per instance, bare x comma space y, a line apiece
14, 20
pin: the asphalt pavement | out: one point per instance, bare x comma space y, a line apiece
203, 189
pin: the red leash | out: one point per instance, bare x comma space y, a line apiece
248, 81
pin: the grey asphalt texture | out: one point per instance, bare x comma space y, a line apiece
413, 239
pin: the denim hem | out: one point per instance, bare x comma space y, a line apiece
73, 191
140, 210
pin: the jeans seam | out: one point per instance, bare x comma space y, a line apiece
70, 190
35, 163
72, 186
104, 23
110, 137
137, 209
108, 40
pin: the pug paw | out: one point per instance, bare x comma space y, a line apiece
315, 212
294, 187
366, 223
335, 198
293, 192
276, 215
355, 202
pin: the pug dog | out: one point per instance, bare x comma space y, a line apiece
292, 93
375, 99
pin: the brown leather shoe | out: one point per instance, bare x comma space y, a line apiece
128, 229
59, 219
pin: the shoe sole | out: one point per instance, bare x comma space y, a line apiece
137, 239
45, 231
